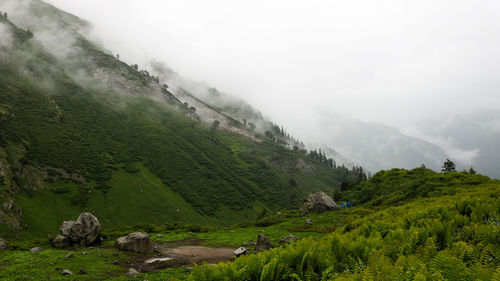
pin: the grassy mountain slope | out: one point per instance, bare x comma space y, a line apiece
453, 234
86, 131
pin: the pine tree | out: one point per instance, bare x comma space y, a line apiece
448, 166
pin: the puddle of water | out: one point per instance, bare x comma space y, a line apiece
157, 259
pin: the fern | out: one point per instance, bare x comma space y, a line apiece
268, 271
486, 256
496, 275
367, 275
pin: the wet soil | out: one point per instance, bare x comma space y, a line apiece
178, 254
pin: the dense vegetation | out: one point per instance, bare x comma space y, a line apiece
72, 138
438, 237
394, 187
449, 236
90, 133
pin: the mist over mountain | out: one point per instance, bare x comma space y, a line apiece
471, 139
83, 130
393, 63
116, 164
380, 147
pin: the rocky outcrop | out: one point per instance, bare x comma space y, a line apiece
289, 239
263, 243
135, 242
3, 244
85, 231
318, 202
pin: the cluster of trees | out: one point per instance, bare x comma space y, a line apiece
281, 136
449, 166
321, 157
144, 72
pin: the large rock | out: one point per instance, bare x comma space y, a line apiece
318, 202
263, 243
135, 242
60, 241
3, 244
85, 231
66, 228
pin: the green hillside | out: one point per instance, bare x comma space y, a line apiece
88, 132
82, 131
444, 236
451, 234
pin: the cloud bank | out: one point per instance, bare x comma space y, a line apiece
393, 62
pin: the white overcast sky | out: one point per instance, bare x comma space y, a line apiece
394, 62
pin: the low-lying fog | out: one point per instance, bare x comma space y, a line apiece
384, 83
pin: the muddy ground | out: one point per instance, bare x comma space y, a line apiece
171, 255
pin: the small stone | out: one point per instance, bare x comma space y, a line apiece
232, 231
36, 249
116, 262
160, 235
82, 271
67, 272
309, 221
3, 244
289, 238
68, 256
240, 251
132, 272
84, 253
